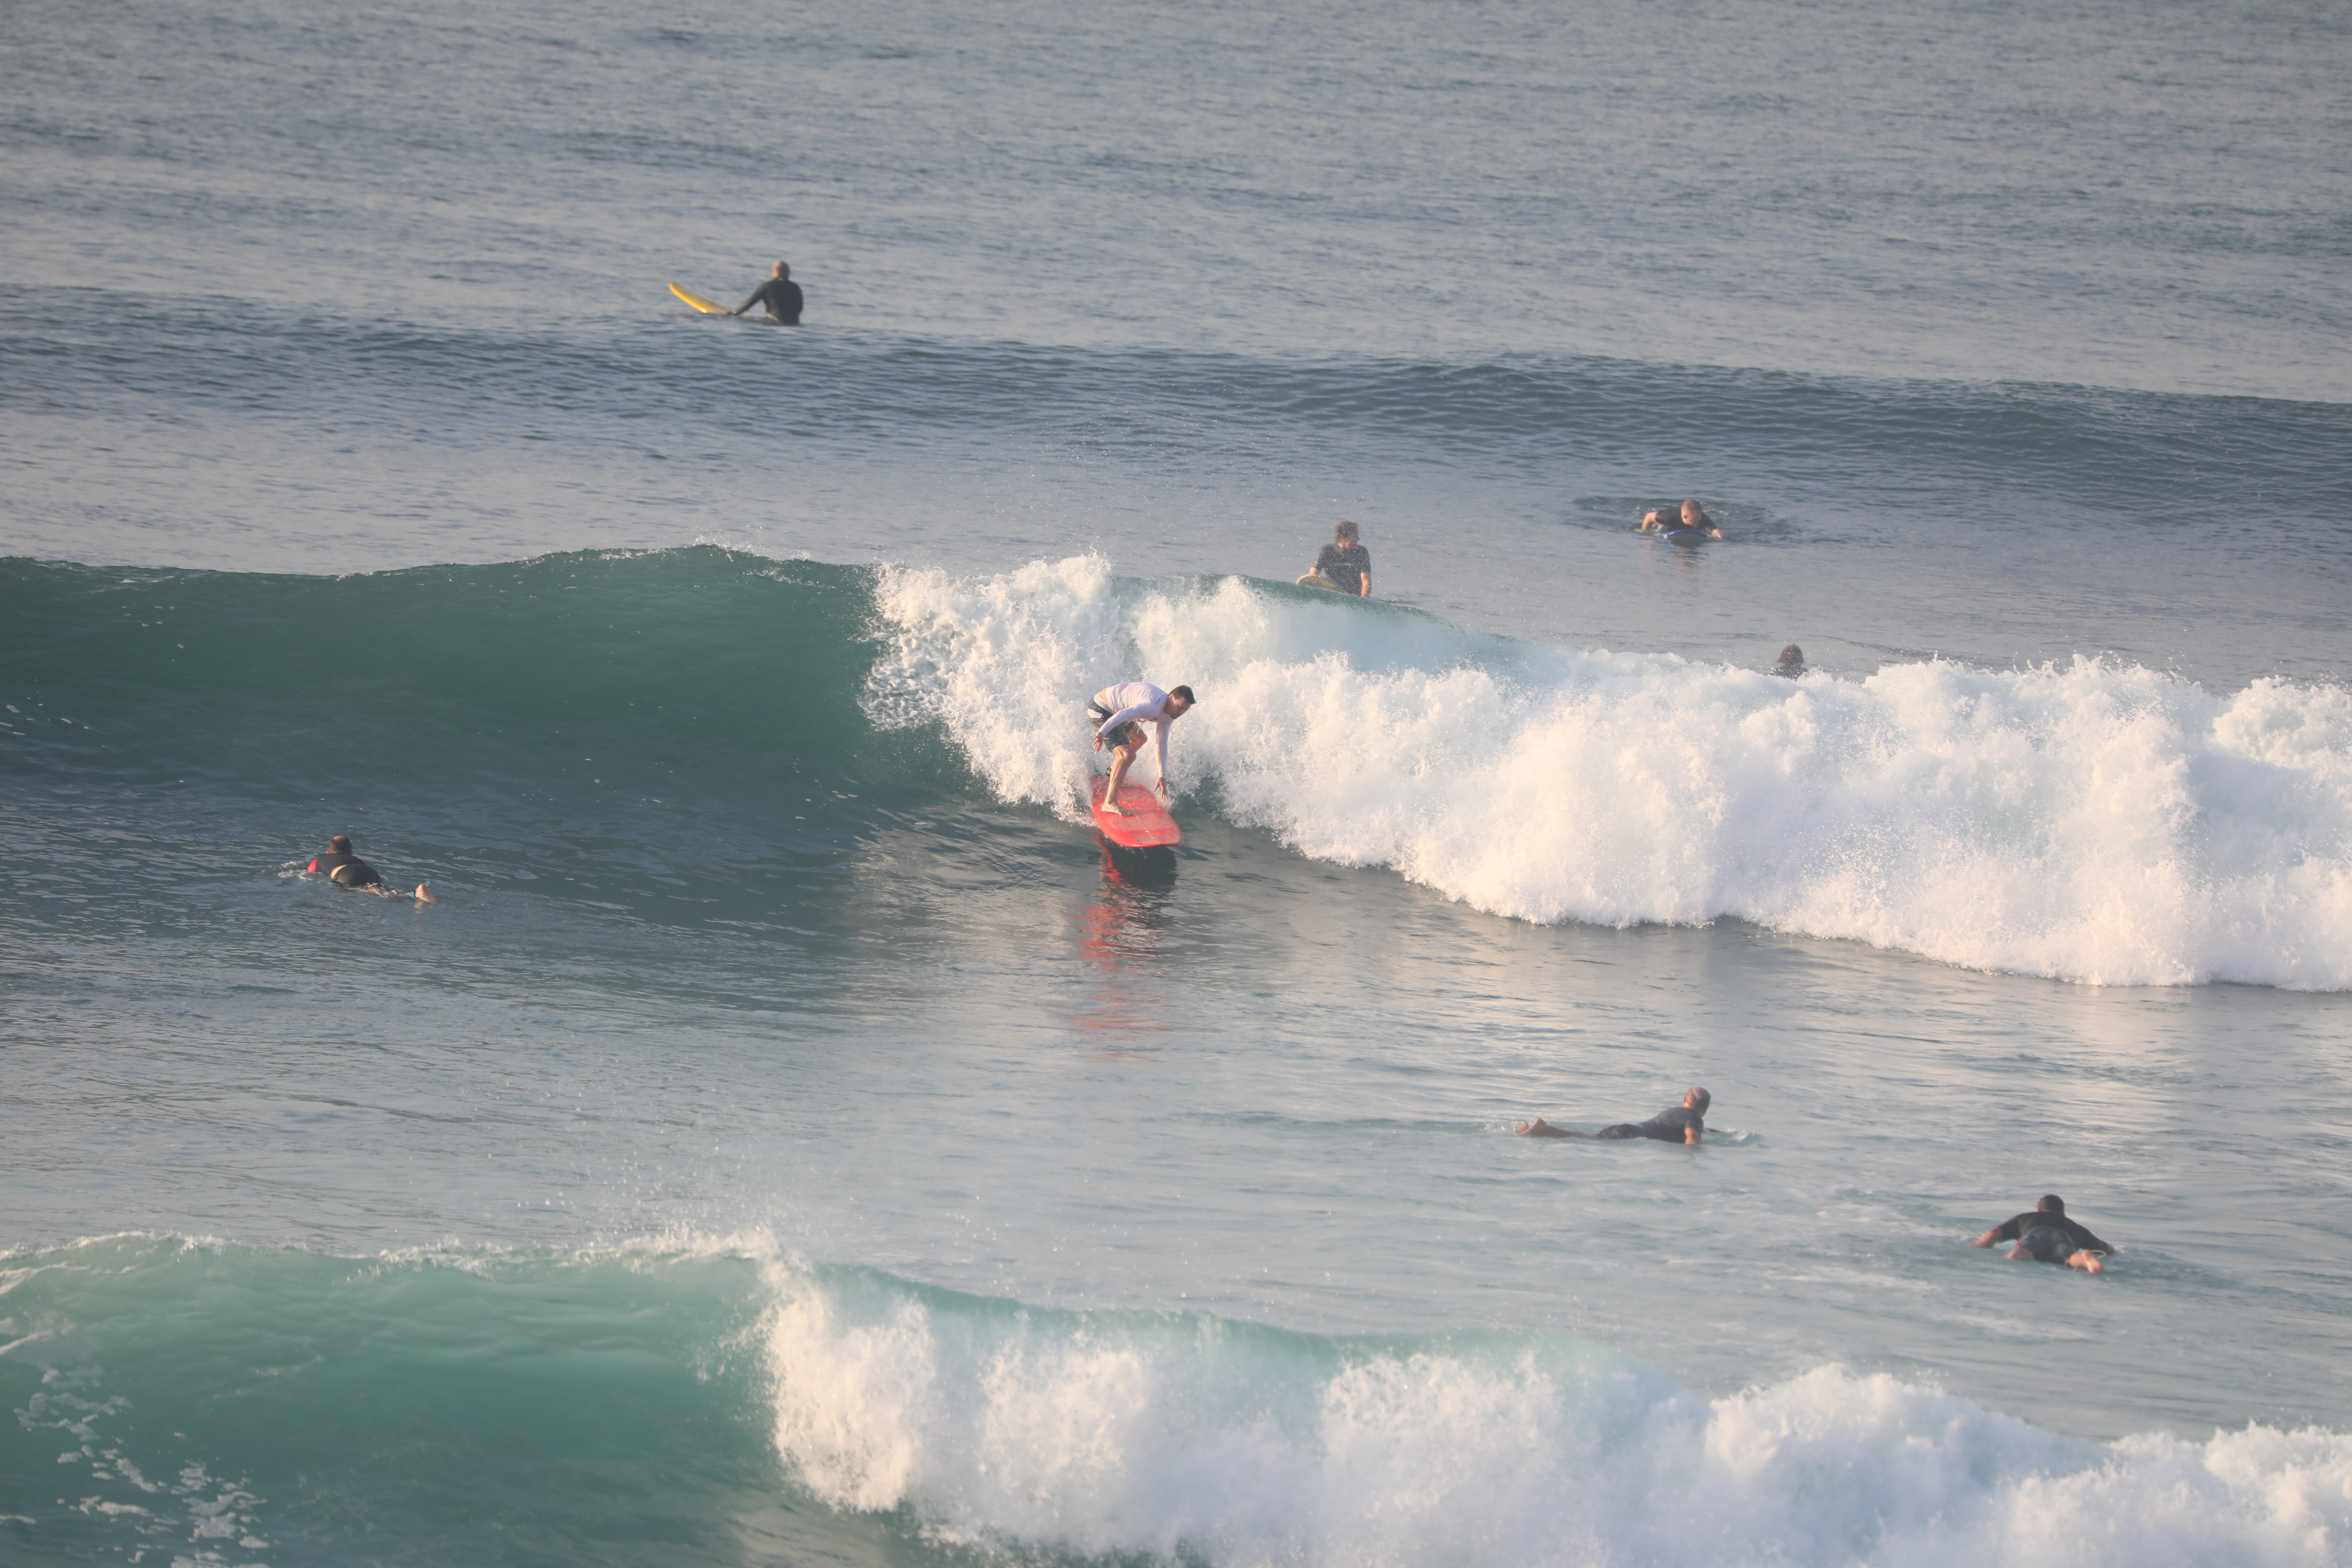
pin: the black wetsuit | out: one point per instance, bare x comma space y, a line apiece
781, 296
1666, 1127
2045, 1233
1346, 565
346, 871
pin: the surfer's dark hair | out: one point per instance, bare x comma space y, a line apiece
340, 845
2050, 1204
1346, 531
1185, 692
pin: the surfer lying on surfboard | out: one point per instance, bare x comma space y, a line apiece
1690, 522
1119, 713
345, 869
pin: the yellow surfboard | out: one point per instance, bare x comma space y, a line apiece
699, 302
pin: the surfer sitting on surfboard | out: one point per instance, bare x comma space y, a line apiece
781, 296
1344, 564
1691, 522
1117, 714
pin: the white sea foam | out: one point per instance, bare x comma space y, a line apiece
1192, 1438
2091, 822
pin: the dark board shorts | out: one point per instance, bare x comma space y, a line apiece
1132, 736
2048, 1243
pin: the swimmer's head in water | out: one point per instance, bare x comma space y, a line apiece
1345, 533
1692, 513
1698, 1099
2050, 1204
340, 844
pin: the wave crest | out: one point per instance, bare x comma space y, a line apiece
1192, 1439
2096, 822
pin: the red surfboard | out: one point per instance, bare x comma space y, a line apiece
1146, 826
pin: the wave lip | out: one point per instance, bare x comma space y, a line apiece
2095, 822
1186, 1438
712, 1401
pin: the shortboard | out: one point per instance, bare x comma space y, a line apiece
1317, 580
698, 301
1146, 826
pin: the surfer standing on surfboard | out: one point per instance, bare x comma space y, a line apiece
781, 296
1117, 714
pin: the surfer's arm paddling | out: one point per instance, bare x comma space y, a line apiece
1118, 714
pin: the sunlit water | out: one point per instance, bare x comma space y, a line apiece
787, 1142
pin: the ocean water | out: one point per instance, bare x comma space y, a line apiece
787, 1141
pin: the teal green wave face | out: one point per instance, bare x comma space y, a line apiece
696, 665
476, 1407
681, 732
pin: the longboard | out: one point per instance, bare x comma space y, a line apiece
1146, 826
698, 301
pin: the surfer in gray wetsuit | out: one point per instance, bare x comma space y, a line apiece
2047, 1236
345, 869
1691, 522
780, 294
1686, 1123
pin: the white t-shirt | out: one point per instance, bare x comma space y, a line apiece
1131, 702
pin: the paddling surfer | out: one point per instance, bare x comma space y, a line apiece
2047, 1236
345, 869
780, 294
1686, 1123
1118, 714
1692, 520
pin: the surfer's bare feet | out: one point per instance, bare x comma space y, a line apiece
1539, 1128
2087, 1261
424, 895
1111, 808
